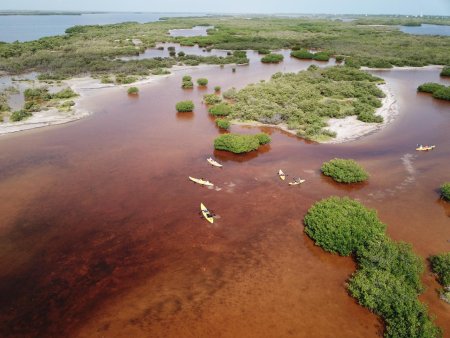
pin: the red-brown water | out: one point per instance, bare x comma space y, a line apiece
101, 237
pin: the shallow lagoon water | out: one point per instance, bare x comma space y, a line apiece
100, 233
426, 29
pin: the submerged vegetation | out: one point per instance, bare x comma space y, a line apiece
306, 100
344, 171
240, 143
185, 106
439, 91
98, 49
440, 265
388, 277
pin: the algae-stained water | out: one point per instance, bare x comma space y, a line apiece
101, 237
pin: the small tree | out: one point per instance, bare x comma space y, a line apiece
185, 106
202, 82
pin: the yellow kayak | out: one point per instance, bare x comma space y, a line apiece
281, 174
425, 148
214, 163
201, 182
205, 212
297, 182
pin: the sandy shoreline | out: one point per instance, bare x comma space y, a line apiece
84, 86
348, 128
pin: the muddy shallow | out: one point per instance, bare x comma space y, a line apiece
101, 237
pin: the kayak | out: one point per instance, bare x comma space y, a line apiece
205, 212
296, 182
201, 182
214, 163
281, 174
425, 148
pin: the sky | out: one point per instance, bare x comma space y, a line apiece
413, 7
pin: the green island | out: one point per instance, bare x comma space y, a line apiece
445, 71
239, 144
388, 277
223, 124
272, 58
344, 171
303, 102
440, 265
438, 91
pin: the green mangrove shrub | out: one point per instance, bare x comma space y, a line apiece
272, 58
263, 51
230, 94
429, 87
302, 54
321, 56
388, 277
210, 99
217, 89
344, 171
187, 84
185, 106
220, 109
19, 115
342, 225
445, 191
202, 82
239, 143
187, 78
440, 264
445, 71
133, 91
223, 124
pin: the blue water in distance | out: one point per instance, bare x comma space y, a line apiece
32, 27
426, 30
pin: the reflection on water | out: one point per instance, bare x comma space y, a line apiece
101, 236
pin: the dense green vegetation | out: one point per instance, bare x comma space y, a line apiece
220, 109
302, 54
185, 106
344, 171
439, 91
440, 265
211, 99
97, 49
202, 82
445, 71
272, 58
342, 225
240, 143
223, 123
388, 277
217, 89
304, 101
19, 115
445, 191
133, 91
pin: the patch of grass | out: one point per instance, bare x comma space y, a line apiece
239, 143
66, 93
344, 171
185, 106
